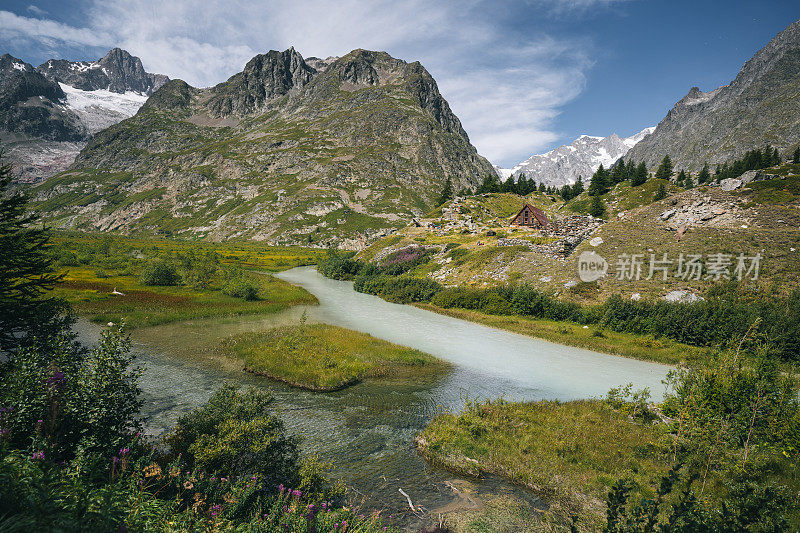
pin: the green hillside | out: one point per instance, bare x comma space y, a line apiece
338, 156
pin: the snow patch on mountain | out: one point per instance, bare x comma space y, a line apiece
102, 108
564, 164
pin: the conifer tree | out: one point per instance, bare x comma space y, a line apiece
27, 313
618, 173
630, 172
490, 184
522, 185
640, 175
599, 183
664, 170
680, 181
577, 187
598, 208
796, 156
447, 192
661, 193
704, 175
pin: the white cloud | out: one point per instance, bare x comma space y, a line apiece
36, 10
505, 85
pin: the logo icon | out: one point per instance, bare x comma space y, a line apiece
591, 266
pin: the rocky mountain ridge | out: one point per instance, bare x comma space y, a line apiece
118, 71
563, 165
48, 113
280, 152
761, 105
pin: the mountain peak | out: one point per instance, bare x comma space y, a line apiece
265, 76
759, 105
118, 71
582, 157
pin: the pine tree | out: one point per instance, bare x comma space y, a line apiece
661, 193
26, 312
776, 157
491, 183
577, 187
522, 185
618, 173
639, 177
447, 192
664, 170
598, 208
542, 187
688, 182
704, 175
796, 156
681, 179
599, 183
631, 170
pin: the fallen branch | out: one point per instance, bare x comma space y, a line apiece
411, 505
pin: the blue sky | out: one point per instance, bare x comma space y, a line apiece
524, 76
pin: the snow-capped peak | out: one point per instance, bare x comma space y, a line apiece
582, 157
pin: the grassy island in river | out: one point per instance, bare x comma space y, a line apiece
322, 357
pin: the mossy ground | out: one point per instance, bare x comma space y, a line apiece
322, 357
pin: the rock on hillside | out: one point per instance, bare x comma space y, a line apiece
762, 105
281, 152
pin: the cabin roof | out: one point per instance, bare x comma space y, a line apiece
537, 213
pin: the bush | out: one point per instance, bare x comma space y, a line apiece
338, 265
67, 258
236, 434
241, 288
160, 273
404, 260
66, 399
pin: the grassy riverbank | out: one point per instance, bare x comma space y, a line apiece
139, 305
642, 347
148, 282
568, 453
321, 357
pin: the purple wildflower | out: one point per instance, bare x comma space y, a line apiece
56, 380
38, 455
281, 488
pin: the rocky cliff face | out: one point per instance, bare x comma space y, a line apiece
760, 106
582, 157
281, 152
31, 105
47, 114
266, 76
117, 71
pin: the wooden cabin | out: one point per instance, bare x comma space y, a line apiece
531, 217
